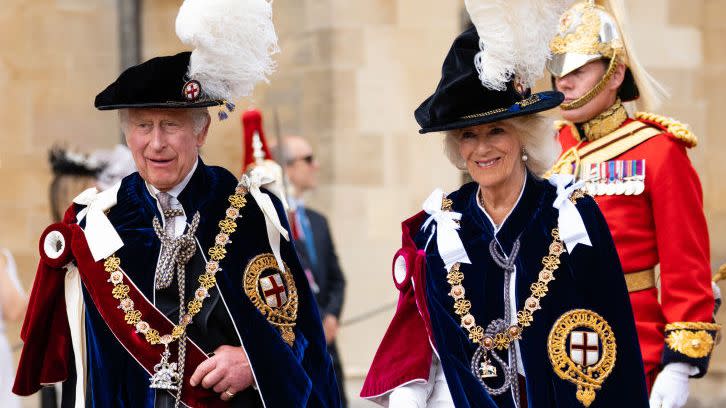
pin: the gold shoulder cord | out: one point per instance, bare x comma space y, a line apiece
674, 127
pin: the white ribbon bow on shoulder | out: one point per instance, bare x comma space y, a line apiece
572, 228
449, 244
252, 181
102, 238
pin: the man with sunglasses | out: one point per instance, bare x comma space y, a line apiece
314, 243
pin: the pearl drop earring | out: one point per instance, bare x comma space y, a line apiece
524, 155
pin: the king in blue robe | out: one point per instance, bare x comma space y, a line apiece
128, 308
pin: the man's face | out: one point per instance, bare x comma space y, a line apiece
580, 81
164, 144
301, 169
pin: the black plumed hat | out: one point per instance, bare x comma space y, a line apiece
160, 82
460, 99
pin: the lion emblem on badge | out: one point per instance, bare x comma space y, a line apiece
273, 293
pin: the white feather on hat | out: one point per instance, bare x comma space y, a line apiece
233, 44
652, 93
514, 38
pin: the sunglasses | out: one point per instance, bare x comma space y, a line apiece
309, 159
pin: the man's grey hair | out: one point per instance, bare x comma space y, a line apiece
200, 118
536, 133
281, 152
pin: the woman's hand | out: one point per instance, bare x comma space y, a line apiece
227, 372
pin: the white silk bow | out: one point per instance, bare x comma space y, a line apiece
102, 238
450, 247
572, 228
252, 181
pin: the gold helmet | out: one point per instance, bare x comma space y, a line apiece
590, 31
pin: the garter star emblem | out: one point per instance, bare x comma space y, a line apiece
582, 350
273, 293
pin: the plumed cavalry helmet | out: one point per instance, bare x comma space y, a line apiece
593, 30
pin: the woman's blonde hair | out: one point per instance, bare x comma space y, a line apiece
536, 133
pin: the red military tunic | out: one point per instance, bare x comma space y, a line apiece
665, 225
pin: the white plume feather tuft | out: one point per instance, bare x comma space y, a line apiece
514, 38
233, 44
652, 93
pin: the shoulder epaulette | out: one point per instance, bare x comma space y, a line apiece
559, 124
679, 130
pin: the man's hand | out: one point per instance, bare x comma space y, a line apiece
227, 372
330, 327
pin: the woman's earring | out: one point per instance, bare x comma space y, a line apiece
524, 155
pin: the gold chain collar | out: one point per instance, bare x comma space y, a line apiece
207, 280
502, 340
605, 123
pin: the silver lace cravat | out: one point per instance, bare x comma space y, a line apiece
171, 246
169, 222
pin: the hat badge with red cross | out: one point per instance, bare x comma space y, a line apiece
192, 90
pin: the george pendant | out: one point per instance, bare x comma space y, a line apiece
483, 368
166, 376
487, 369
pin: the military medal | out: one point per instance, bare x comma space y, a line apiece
619, 186
629, 189
610, 177
640, 176
592, 179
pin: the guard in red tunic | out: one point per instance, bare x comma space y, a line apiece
637, 168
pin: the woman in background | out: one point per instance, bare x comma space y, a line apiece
13, 303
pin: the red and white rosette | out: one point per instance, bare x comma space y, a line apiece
55, 245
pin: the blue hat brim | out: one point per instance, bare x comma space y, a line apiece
542, 101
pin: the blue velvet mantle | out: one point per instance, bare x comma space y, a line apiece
297, 376
589, 278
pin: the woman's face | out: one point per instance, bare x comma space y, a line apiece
492, 152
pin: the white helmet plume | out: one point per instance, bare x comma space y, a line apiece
233, 44
514, 38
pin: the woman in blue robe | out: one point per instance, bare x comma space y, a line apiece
512, 294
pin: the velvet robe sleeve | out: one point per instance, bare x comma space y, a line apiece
600, 279
315, 361
47, 352
405, 354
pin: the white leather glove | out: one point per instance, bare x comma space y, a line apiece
670, 389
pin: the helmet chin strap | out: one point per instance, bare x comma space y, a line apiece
592, 93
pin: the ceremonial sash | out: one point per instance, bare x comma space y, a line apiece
616, 143
95, 280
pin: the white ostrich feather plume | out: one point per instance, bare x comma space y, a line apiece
514, 38
233, 43
652, 92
